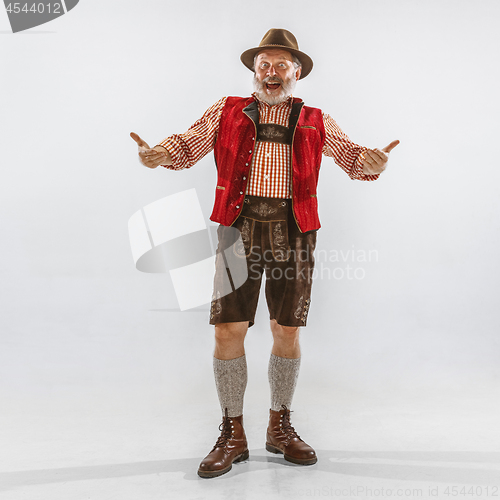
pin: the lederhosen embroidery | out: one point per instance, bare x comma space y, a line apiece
263, 209
279, 240
216, 306
246, 238
298, 311
302, 309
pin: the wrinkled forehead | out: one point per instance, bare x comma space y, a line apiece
274, 54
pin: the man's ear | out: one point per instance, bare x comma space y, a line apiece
298, 72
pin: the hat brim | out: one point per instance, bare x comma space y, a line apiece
248, 56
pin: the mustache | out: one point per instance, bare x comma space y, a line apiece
273, 79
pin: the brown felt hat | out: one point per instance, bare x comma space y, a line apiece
277, 38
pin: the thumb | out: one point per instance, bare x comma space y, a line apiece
140, 142
390, 147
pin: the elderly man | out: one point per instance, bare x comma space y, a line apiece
268, 150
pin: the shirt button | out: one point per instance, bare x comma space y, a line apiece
244, 178
241, 192
246, 164
250, 152
237, 206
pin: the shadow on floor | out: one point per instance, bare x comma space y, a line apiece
432, 466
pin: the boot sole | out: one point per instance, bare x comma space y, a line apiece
300, 461
216, 473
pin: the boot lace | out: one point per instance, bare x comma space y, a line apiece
226, 431
286, 425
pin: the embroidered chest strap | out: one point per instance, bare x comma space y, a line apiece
270, 132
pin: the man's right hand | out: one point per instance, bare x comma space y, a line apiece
151, 158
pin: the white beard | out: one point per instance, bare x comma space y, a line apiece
287, 87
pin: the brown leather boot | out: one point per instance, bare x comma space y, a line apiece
282, 438
231, 446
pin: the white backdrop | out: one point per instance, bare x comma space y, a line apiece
81, 327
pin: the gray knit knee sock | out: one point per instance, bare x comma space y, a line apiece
231, 382
283, 374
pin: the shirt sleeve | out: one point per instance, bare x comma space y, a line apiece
190, 147
346, 153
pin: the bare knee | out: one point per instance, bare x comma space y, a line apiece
229, 339
281, 333
225, 332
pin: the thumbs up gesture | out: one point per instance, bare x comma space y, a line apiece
375, 160
151, 158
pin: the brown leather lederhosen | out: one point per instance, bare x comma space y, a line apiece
270, 243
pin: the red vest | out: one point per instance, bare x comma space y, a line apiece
235, 145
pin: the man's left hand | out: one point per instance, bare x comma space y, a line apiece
375, 160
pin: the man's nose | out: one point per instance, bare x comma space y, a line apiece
271, 71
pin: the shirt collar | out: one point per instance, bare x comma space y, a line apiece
288, 102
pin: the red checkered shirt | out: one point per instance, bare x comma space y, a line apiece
270, 170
